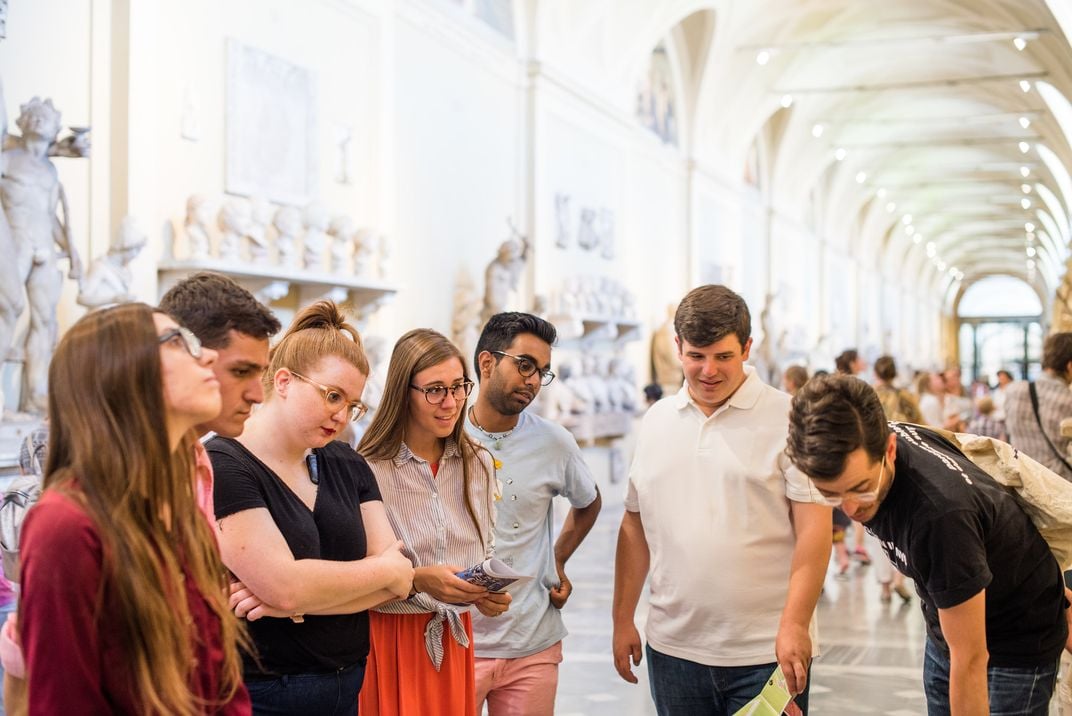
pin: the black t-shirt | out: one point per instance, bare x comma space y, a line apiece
954, 530
333, 530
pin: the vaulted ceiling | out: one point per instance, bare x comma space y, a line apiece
930, 137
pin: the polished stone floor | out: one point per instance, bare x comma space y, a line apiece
872, 652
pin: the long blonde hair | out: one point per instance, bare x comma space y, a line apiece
418, 350
109, 451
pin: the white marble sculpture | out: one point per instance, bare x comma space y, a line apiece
261, 213
109, 278
621, 383
366, 249
465, 323
317, 220
341, 232
199, 217
288, 225
587, 233
36, 209
502, 275
234, 223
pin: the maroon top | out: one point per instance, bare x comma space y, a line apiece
71, 658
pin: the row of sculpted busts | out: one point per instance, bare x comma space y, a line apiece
595, 384
35, 235
595, 297
262, 233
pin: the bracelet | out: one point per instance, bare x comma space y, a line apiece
298, 618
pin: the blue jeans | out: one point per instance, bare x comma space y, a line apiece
333, 694
1012, 691
681, 687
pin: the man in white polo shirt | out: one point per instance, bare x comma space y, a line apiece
735, 541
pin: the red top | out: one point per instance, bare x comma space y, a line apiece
71, 655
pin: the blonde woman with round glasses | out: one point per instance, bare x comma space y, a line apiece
302, 526
124, 598
439, 489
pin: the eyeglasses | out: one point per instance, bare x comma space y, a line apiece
335, 399
190, 342
436, 394
527, 368
861, 498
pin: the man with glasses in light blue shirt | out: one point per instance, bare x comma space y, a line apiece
517, 653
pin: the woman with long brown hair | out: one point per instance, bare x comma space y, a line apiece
302, 526
124, 599
439, 489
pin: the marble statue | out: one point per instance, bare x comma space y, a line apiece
622, 385
595, 375
261, 212
341, 232
288, 224
109, 279
31, 194
503, 274
199, 211
234, 221
465, 323
366, 248
587, 234
317, 220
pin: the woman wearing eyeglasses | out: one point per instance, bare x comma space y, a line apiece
124, 598
301, 524
439, 489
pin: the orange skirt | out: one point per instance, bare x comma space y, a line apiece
400, 678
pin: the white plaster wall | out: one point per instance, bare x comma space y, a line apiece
458, 148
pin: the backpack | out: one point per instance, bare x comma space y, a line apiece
21, 494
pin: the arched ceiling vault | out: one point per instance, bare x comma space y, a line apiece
954, 113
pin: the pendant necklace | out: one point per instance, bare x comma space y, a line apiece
497, 437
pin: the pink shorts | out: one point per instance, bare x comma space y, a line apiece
524, 686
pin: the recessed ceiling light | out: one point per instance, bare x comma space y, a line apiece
1025, 203
1025, 172
817, 131
1029, 227
1025, 122
1025, 188
1031, 252
840, 154
861, 177
1019, 43
906, 219
1024, 147
1025, 85
762, 57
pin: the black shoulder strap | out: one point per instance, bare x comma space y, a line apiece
1038, 419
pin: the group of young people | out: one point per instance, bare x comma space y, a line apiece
193, 555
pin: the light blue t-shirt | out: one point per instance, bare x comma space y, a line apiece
538, 461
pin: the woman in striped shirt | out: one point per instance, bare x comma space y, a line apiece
439, 489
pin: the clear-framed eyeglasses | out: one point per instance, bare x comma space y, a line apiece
335, 400
436, 394
527, 367
861, 498
190, 342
